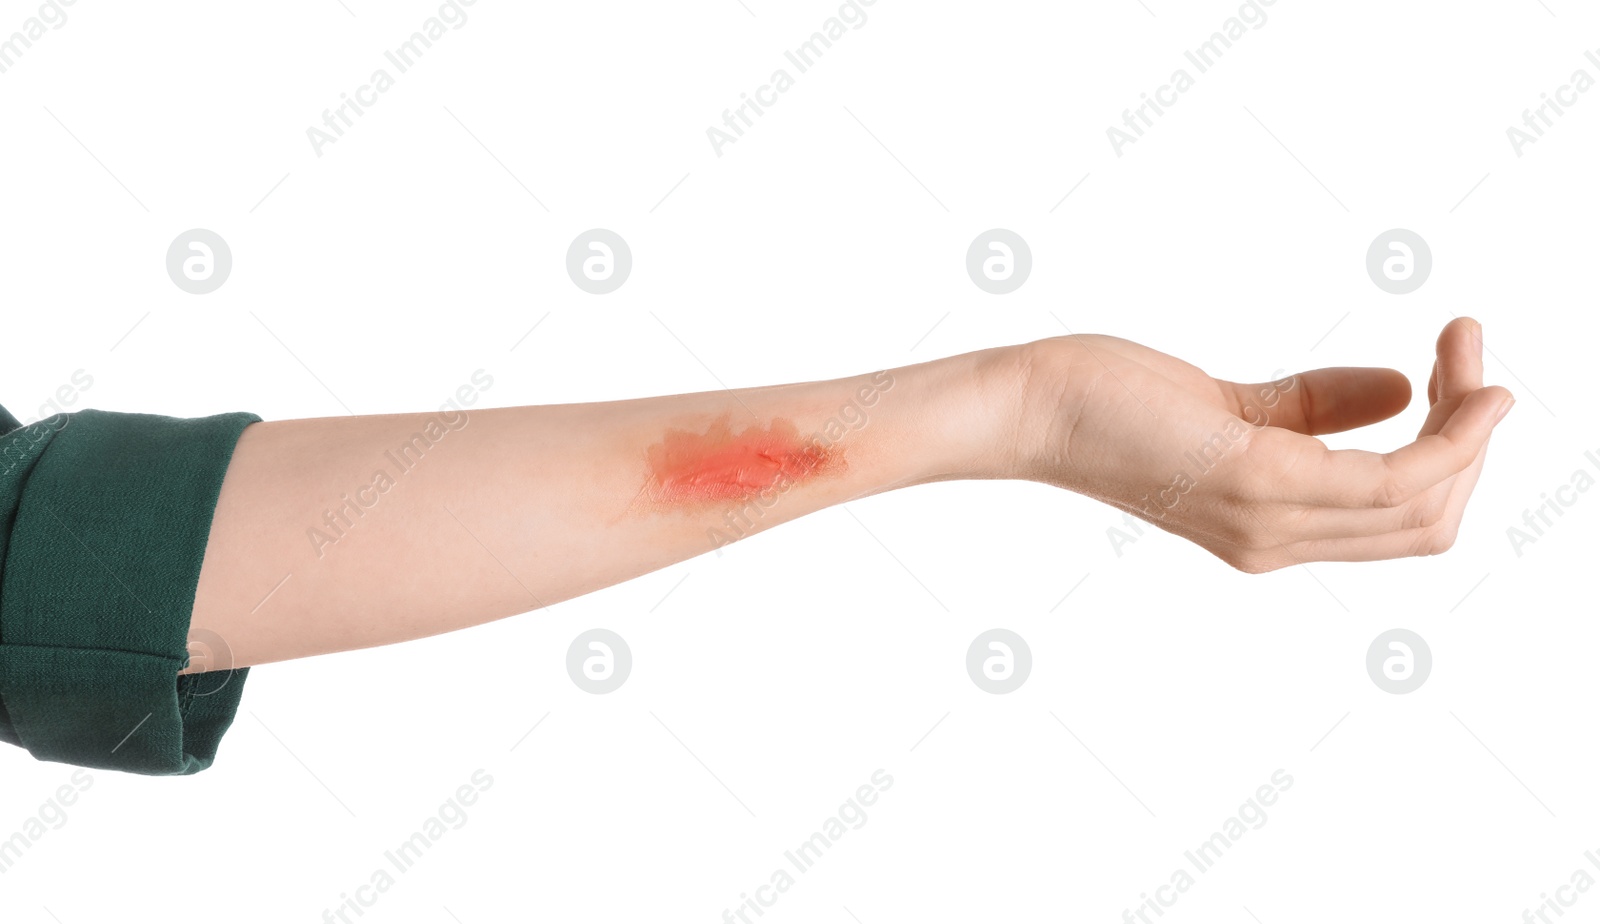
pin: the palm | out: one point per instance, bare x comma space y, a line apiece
1237, 468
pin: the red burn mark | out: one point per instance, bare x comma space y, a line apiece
719, 465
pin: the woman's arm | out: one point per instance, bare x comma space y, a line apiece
370, 530
399, 526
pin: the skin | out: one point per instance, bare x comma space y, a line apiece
518, 508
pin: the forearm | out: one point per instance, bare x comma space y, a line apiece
400, 526
341, 533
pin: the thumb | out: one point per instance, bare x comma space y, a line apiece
1325, 400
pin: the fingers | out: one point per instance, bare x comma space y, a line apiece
1317, 523
1322, 400
1460, 351
1284, 497
1459, 368
1422, 540
1312, 476
1439, 507
1426, 526
1343, 398
1457, 371
1298, 501
1432, 538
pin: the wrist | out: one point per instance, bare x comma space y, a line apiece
970, 419
1049, 399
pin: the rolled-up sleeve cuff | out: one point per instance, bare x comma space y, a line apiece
97, 587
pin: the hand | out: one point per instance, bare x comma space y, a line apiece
1238, 469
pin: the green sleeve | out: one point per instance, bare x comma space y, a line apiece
104, 519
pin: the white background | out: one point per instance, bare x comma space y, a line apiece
770, 682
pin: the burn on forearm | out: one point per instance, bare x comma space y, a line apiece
747, 469
722, 464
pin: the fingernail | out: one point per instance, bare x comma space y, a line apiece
1505, 406
1479, 340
